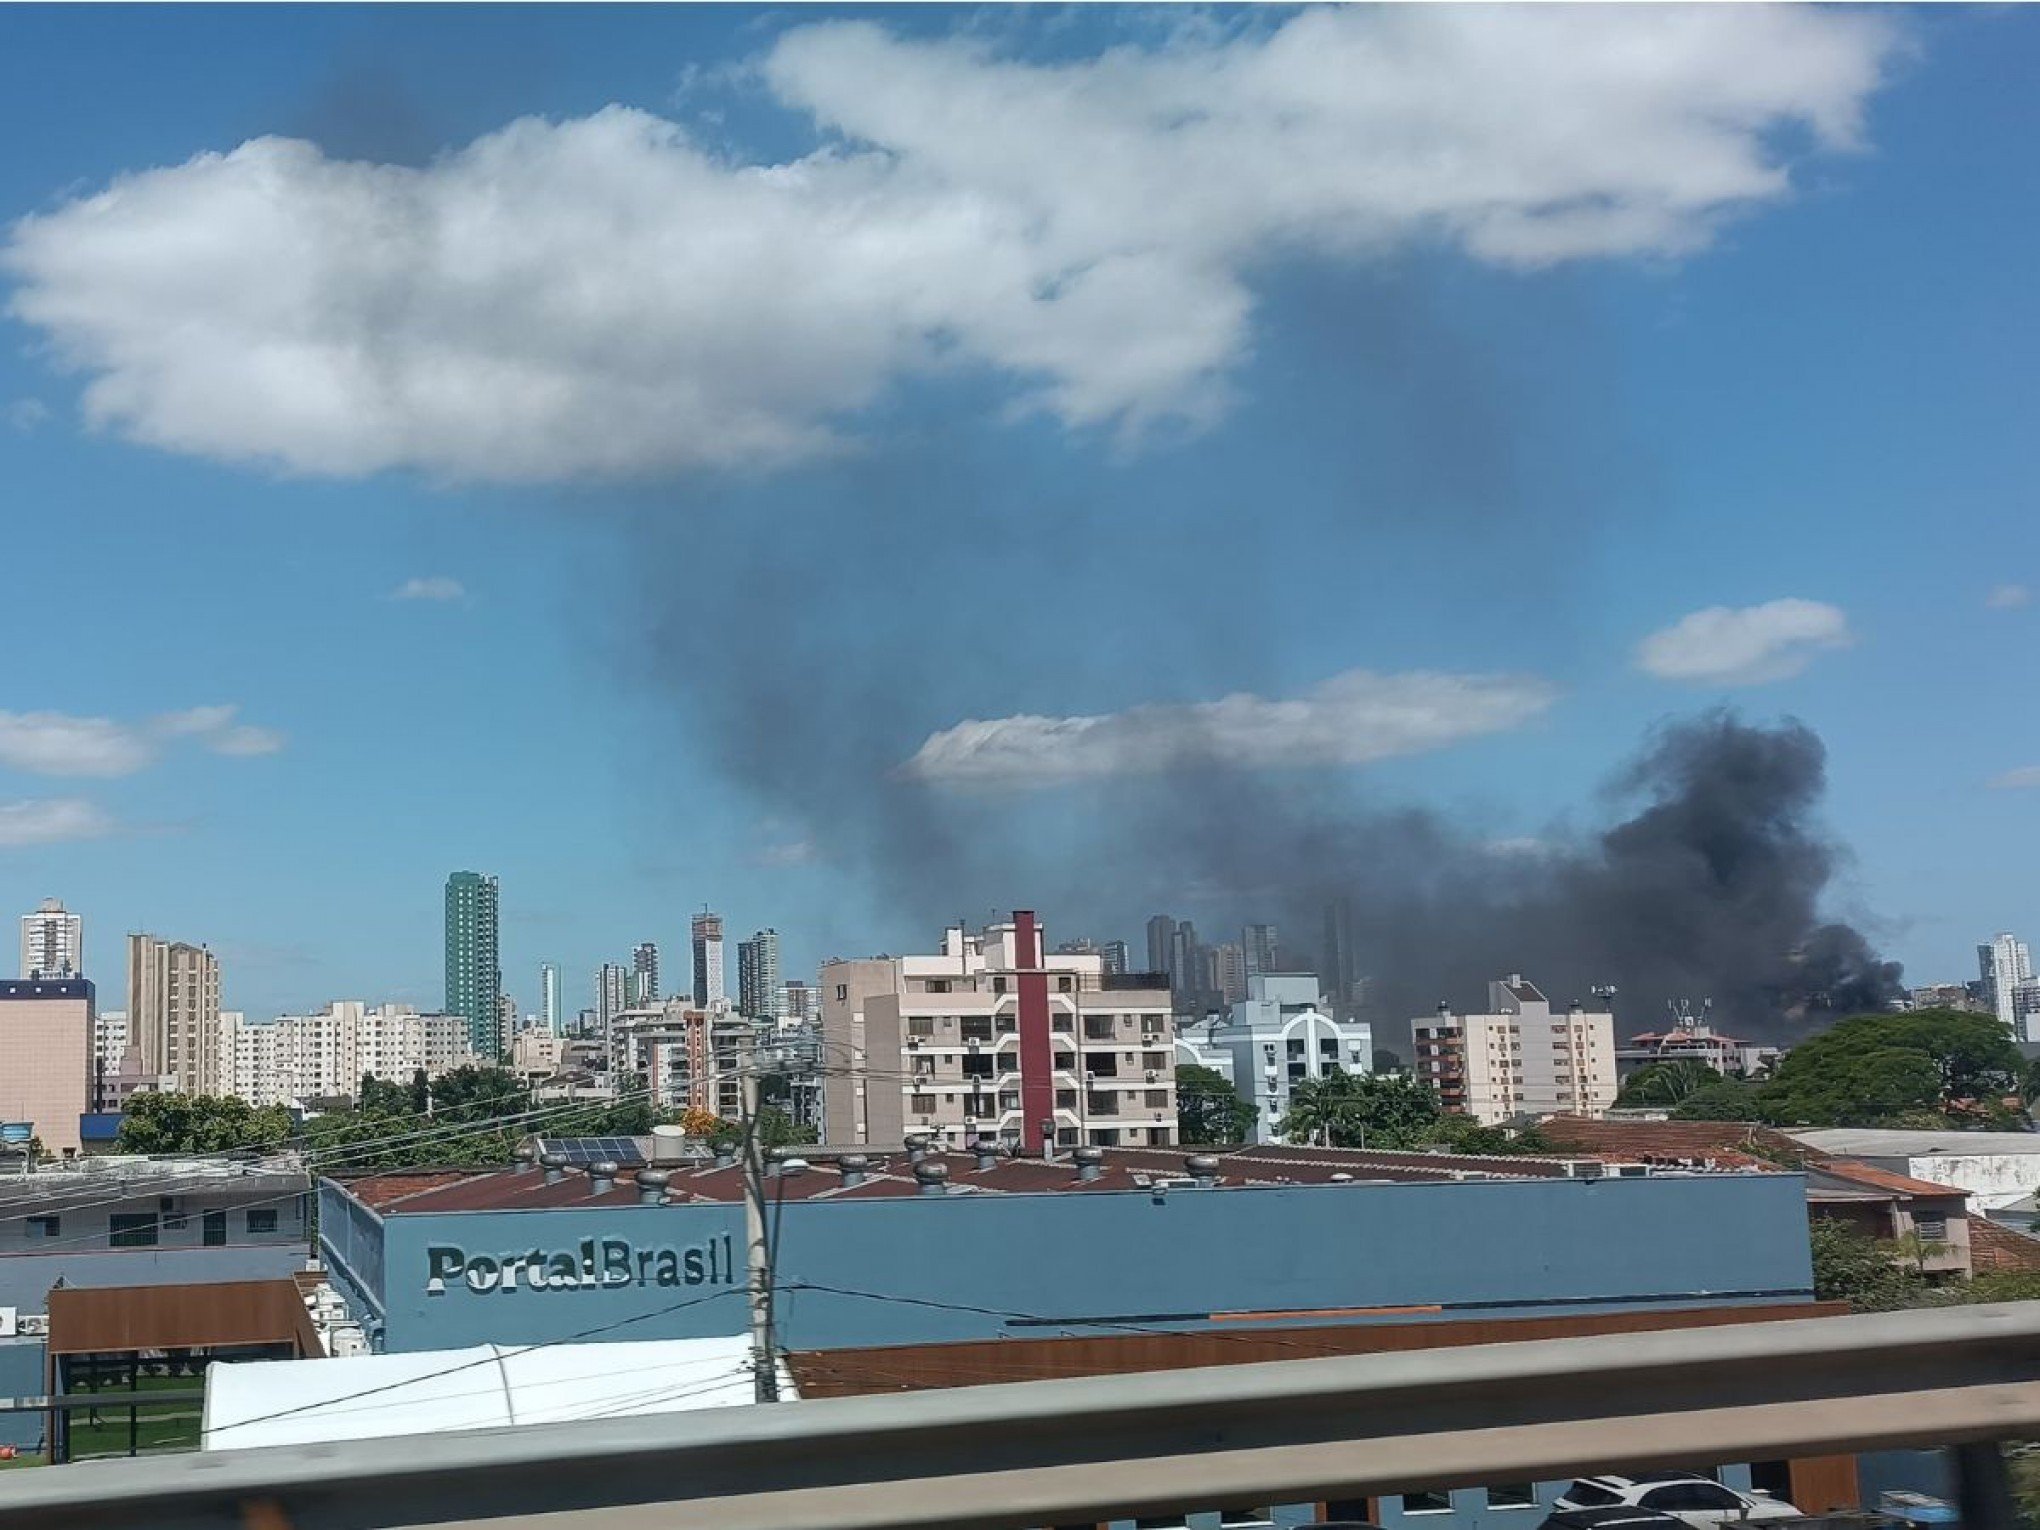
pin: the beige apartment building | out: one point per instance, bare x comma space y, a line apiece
1519, 1059
992, 1038
174, 1013
46, 1057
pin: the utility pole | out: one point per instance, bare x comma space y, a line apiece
757, 1250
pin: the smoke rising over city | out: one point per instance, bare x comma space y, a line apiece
1708, 882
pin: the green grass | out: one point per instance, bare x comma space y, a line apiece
162, 1426
26, 1459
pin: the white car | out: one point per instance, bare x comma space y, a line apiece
1700, 1501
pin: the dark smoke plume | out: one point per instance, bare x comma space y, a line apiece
809, 636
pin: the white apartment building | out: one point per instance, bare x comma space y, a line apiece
303, 1057
52, 942
1274, 1039
992, 1038
2004, 964
1519, 1059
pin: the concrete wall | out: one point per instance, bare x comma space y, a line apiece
85, 1224
982, 1266
1993, 1180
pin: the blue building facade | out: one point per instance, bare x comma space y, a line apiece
926, 1268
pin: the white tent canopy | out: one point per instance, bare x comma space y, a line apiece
298, 1402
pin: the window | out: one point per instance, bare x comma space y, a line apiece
921, 1025
45, 1227
1246, 1517
1932, 1226
1589, 1495
262, 1221
842, 992
978, 1067
1676, 1496
1161, 1522
1427, 1503
215, 1223
131, 1230
923, 1105
1513, 1495
938, 985
1157, 1099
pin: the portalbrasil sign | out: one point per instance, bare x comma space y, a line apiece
594, 1264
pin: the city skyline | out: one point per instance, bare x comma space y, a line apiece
1479, 400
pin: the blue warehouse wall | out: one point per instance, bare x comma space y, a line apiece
21, 1375
925, 1268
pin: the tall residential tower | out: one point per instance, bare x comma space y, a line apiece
474, 972
174, 1012
708, 959
52, 942
758, 995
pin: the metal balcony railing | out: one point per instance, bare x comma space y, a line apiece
1112, 1447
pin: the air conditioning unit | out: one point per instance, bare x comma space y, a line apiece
10, 1322
34, 1323
1153, 1074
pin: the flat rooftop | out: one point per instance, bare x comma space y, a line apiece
525, 1187
1870, 1142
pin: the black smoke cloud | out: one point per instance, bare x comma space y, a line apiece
808, 636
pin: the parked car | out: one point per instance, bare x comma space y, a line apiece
1700, 1502
1620, 1516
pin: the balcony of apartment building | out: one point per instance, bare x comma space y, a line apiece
1101, 1027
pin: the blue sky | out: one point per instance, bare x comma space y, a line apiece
1007, 408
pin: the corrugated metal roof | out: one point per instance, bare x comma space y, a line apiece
114, 1319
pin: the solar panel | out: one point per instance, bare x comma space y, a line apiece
582, 1151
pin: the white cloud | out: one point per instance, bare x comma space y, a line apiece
606, 296
2008, 597
54, 744
1750, 645
1351, 719
51, 821
27, 414
2021, 779
430, 587
792, 852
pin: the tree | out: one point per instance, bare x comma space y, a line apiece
1666, 1083
199, 1123
379, 1098
1849, 1266
1366, 1110
778, 1129
1726, 1099
1869, 1070
1209, 1111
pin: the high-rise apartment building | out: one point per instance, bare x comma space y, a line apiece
474, 970
1520, 1058
174, 1012
549, 997
1340, 960
799, 1000
1257, 941
52, 942
708, 959
46, 1056
644, 976
1226, 968
326, 1055
1114, 952
2004, 963
992, 1038
612, 995
758, 996
1161, 943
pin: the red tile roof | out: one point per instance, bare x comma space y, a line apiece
1675, 1139
1996, 1250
